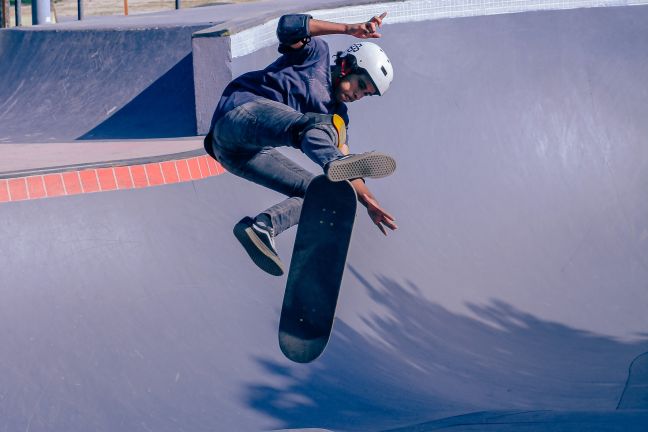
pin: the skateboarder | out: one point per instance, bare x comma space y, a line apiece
299, 101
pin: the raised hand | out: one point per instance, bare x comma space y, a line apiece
367, 29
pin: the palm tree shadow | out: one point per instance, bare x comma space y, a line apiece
429, 362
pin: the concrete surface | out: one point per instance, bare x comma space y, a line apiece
20, 159
513, 293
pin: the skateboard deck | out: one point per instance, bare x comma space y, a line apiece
316, 268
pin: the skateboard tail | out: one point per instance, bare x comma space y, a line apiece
300, 350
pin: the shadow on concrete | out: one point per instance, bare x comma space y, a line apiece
635, 393
166, 109
426, 362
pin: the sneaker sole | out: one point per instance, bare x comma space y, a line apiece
372, 165
257, 250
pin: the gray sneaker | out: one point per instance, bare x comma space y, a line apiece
370, 164
258, 242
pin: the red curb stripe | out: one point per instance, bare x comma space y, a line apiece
108, 179
154, 174
89, 181
175, 165
210, 166
194, 168
183, 170
36, 187
169, 172
71, 183
204, 168
54, 185
18, 189
4, 191
139, 176
124, 179
213, 166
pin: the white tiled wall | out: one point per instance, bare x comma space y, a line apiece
261, 36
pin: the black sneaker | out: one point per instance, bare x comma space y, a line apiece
370, 164
259, 243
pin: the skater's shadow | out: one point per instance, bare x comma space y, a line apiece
427, 362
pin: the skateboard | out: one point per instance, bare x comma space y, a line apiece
316, 268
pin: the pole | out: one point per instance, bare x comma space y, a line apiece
41, 12
5, 19
177, 2
125, 7
80, 9
18, 13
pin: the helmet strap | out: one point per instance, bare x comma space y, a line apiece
344, 71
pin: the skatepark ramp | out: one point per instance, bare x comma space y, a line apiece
513, 296
63, 85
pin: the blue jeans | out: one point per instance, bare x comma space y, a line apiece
244, 142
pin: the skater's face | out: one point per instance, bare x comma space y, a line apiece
354, 87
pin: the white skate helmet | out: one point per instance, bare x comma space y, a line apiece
374, 61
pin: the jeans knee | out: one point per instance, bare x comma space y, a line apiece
332, 127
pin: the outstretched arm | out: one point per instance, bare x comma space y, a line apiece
363, 30
378, 215
360, 30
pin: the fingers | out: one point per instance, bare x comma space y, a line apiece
382, 220
373, 24
385, 223
379, 217
378, 19
387, 216
391, 224
370, 30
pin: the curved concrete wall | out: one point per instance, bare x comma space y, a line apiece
516, 281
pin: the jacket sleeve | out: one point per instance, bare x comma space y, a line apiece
293, 28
